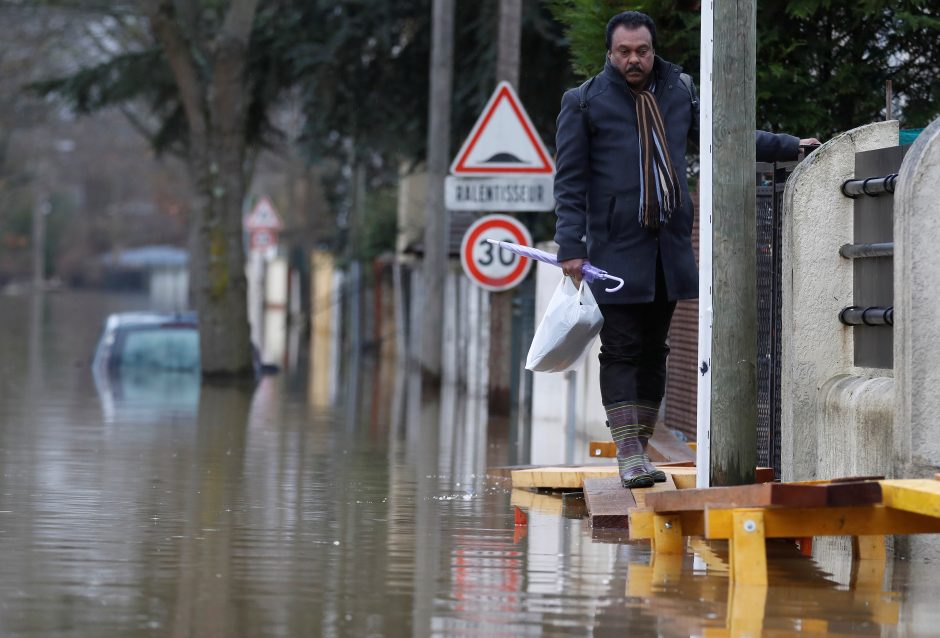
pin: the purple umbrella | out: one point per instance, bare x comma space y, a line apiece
589, 272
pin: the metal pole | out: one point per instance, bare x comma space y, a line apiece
733, 442
703, 423
435, 231
864, 251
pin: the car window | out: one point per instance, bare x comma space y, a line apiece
161, 348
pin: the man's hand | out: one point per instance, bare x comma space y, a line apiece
810, 141
572, 268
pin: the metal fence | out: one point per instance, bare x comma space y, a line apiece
771, 179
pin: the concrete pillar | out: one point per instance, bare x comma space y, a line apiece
917, 345
274, 347
916, 305
826, 403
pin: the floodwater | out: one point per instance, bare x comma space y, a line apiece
157, 508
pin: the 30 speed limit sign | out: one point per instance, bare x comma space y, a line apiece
490, 266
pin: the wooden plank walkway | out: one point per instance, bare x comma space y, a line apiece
572, 477
748, 515
768, 495
608, 504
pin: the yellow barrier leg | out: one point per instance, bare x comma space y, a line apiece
868, 548
746, 605
667, 569
748, 548
667, 534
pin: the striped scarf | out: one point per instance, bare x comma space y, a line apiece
660, 195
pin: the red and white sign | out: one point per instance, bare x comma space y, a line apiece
263, 224
503, 141
263, 240
489, 266
263, 217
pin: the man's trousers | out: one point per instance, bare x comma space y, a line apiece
634, 349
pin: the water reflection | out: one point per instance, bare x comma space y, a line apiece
145, 395
255, 511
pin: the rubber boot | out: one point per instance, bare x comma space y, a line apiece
624, 430
647, 414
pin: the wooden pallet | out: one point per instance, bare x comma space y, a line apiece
748, 515
572, 477
609, 504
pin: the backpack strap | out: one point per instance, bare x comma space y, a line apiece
686, 80
585, 107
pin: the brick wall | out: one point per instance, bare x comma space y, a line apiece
682, 365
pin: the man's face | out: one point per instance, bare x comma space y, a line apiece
631, 51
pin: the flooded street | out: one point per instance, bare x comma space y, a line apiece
158, 508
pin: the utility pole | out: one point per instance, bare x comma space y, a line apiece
40, 210
733, 441
500, 364
508, 44
435, 230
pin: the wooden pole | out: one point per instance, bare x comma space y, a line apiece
40, 209
435, 230
510, 31
500, 362
733, 440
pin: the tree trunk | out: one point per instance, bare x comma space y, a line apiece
217, 282
215, 103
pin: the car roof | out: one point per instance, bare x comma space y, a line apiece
134, 319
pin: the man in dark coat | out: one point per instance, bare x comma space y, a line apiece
623, 203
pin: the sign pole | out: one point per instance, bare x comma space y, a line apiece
703, 424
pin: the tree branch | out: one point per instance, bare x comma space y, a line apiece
239, 20
229, 94
176, 48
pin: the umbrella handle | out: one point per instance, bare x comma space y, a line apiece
617, 279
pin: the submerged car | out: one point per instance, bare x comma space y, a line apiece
148, 341
146, 366
155, 341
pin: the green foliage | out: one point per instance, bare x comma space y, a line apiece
821, 64
677, 30
380, 227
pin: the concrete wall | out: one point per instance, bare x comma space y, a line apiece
834, 415
917, 301
840, 420
412, 198
917, 329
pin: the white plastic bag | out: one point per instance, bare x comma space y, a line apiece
571, 322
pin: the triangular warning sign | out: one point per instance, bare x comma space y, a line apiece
263, 216
503, 141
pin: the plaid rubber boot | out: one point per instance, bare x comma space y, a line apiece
647, 413
625, 431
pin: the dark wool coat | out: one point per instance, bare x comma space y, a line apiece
597, 184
